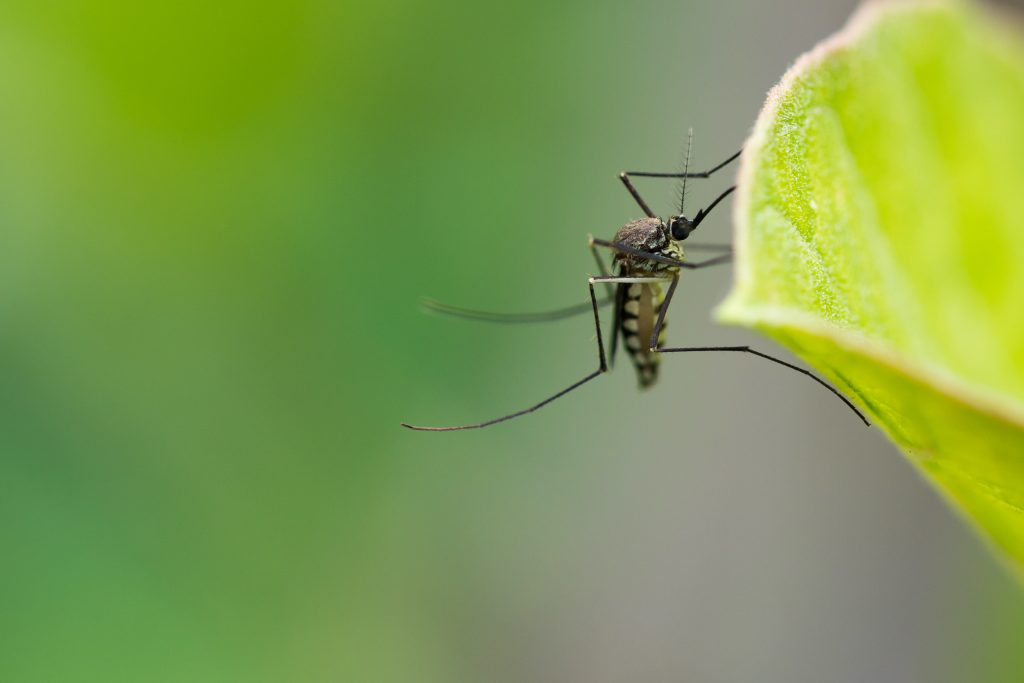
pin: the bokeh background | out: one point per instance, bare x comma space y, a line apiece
216, 221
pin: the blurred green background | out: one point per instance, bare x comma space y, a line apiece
216, 222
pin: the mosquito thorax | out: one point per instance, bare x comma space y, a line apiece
650, 235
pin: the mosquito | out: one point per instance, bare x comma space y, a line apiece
647, 258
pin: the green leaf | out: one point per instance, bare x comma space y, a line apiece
880, 220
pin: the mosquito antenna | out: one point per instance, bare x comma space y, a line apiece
686, 170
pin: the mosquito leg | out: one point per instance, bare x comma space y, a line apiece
716, 261
653, 346
613, 294
616, 321
537, 317
747, 349
622, 248
601, 369
488, 423
512, 318
601, 266
692, 174
624, 177
705, 246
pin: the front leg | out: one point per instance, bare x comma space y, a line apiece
658, 258
685, 174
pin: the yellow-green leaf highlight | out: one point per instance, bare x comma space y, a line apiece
880, 223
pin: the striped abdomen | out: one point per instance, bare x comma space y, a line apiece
638, 311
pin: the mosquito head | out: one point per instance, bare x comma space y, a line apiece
680, 227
